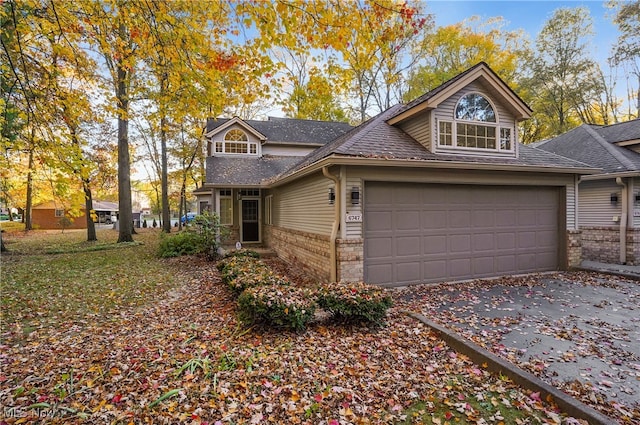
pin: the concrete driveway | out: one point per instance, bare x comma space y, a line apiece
578, 331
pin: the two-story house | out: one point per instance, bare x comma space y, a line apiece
437, 189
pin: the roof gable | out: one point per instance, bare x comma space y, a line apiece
587, 144
223, 124
486, 76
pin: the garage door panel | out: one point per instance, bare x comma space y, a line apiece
460, 243
434, 244
379, 220
407, 245
459, 219
406, 220
380, 247
430, 233
409, 272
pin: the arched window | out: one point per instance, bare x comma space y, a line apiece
236, 136
236, 142
474, 126
475, 107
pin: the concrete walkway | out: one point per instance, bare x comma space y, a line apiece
632, 272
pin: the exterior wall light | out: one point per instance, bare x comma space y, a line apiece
355, 195
614, 199
332, 196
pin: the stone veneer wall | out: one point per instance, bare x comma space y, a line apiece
574, 248
307, 250
603, 244
350, 260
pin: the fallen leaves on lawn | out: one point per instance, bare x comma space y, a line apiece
185, 359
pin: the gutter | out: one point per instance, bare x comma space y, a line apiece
623, 220
420, 163
336, 223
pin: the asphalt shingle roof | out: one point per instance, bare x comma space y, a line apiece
377, 139
289, 130
247, 171
594, 145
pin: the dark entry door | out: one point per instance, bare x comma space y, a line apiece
250, 226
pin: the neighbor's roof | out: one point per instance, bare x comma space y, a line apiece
290, 130
595, 145
377, 139
246, 171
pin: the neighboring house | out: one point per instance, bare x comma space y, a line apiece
608, 202
438, 189
49, 215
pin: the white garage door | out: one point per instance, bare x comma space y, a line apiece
416, 233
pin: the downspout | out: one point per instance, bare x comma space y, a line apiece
336, 223
623, 220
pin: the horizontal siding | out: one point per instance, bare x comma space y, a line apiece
304, 205
445, 110
353, 230
594, 202
419, 127
571, 206
636, 205
282, 150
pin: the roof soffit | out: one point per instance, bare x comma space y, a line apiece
239, 121
487, 78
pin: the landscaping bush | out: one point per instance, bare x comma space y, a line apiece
203, 238
278, 306
183, 243
354, 302
242, 272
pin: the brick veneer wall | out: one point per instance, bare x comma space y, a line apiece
46, 219
603, 244
574, 248
307, 250
350, 260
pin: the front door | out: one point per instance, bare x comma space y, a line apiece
250, 225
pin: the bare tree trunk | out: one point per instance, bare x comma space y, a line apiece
164, 182
27, 212
88, 207
125, 220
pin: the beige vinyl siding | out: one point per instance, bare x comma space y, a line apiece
286, 150
353, 230
304, 205
462, 177
636, 205
595, 205
419, 127
445, 111
571, 206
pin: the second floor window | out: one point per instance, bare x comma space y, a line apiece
236, 142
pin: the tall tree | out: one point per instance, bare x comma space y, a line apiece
562, 70
626, 52
452, 49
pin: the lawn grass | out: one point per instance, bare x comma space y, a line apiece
50, 278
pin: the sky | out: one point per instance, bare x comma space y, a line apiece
529, 16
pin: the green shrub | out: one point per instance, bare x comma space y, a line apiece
201, 238
182, 243
277, 306
242, 272
354, 302
243, 252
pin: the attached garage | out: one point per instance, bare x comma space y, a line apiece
418, 233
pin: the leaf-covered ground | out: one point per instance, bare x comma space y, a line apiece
182, 357
577, 331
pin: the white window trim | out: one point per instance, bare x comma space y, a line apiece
453, 148
59, 213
